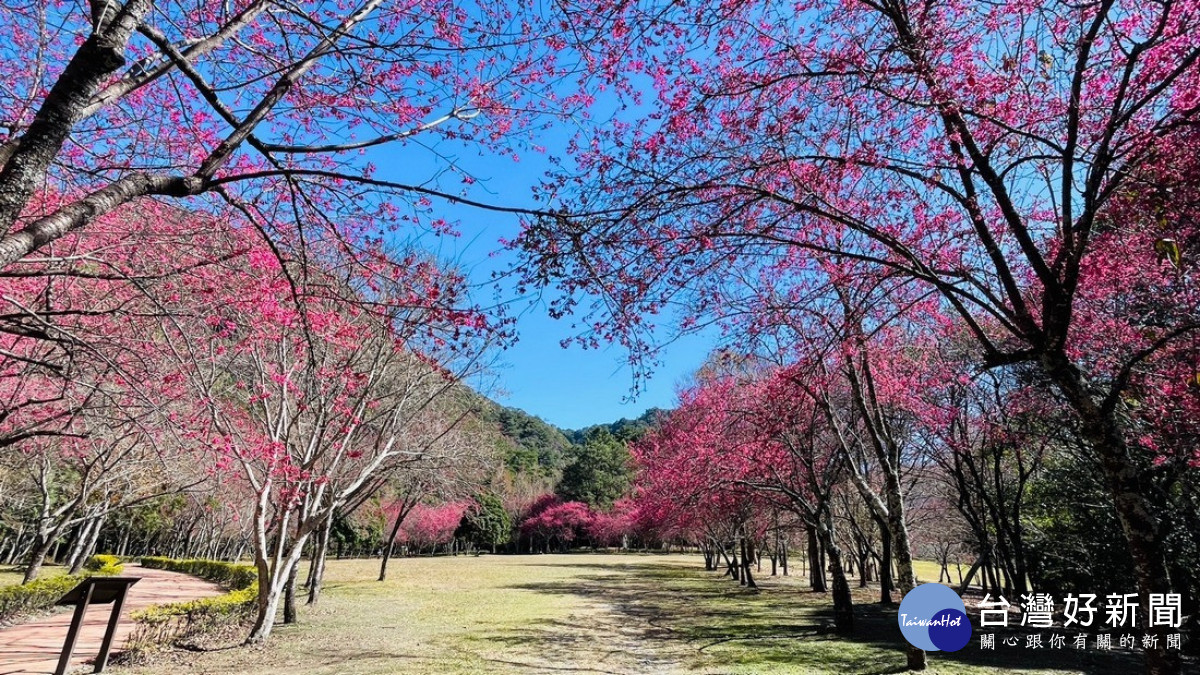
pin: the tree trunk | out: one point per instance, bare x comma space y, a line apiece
902, 550
816, 574
82, 534
1127, 486
843, 601
886, 583
89, 546
272, 582
747, 553
289, 594
993, 578
391, 541
316, 575
268, 603
13, 555
823, 566
965, 583
37, 557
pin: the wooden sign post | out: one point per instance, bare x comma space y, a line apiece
94, 591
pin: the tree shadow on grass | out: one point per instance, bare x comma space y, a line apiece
665, 615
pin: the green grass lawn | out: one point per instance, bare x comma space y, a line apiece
588, 614
928, 570
13, 575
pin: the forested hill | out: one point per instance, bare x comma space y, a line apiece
532, 445
624, 429
527, 443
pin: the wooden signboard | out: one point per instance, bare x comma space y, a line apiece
94, 591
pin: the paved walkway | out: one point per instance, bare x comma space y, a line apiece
34, 647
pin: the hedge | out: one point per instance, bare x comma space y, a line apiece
163, 624
232, 576
41, 594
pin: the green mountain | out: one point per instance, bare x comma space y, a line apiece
624, 429
527, 443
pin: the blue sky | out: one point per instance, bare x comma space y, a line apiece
573, 387
568, 387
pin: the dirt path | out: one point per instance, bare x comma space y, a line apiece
34, 647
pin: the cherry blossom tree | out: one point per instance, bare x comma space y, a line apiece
79, 321
123, 109
311, 404
90, 401
558, 525
430, 526
615, 527
110, 464
735, 447
975, 148
265, 110
450, 467
264, 118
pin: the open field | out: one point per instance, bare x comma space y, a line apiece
928, 570
586, 614
10, 575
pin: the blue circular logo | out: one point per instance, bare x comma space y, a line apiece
934, 618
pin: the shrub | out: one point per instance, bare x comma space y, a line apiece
33, 596
103, 565
162, 624
41, 594
230, 603
232, 576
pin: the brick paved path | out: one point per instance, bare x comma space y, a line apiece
34, 647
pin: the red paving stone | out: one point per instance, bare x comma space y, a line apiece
34, 646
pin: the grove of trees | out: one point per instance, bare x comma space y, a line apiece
1026, 168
